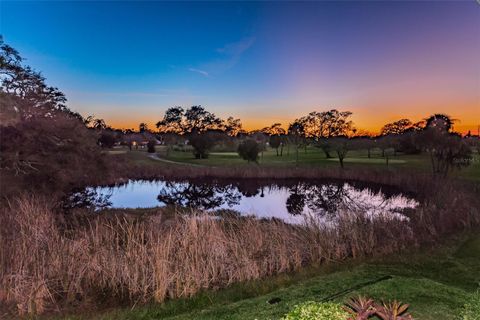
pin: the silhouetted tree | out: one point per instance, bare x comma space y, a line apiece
274, 130
397, 127
99, 124
202, 143
275, 142
151, 146
440, 121
249, 150
447, 150
107, 139
193, 123
296, 133
341, 145
402, 135
173, 121
43, 143
276, 135
320, 126
386, 145
142, 127
197, 120
261, 139
364, 143
28, 94
232, 126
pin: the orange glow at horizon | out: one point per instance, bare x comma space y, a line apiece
367, 120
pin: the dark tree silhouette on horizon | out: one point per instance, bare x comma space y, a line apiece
195, 123
440, 122
321, 126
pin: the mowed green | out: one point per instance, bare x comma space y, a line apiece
436, 284
311, 157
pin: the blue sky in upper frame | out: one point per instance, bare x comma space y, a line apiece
264, 62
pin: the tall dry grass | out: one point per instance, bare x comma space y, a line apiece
48, 263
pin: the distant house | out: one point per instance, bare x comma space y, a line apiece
139, 139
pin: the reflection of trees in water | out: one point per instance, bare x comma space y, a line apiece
328, 199
248, 188
208, 195
89, 198
321, 199
203, 196
296, 200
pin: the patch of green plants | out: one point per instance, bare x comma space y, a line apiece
471, 309
312, 310
360, 308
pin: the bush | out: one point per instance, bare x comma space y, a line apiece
315, 310
44, 153
248, 150
106, 140
151, 146
202, 143
471, 309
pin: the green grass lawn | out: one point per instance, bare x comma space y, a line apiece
435, 283
313, 157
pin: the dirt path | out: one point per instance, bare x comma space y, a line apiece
157, 158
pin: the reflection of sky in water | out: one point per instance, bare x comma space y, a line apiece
270, 201
134, 194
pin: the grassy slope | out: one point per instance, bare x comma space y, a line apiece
313, 157
436, 284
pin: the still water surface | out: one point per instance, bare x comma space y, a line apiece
287, 200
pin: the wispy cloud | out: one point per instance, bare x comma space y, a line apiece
235, 49
227, 57
202, 72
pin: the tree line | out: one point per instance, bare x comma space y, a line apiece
331, 131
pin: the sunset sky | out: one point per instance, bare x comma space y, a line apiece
263, 62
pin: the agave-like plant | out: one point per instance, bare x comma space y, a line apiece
360, 308
393, 311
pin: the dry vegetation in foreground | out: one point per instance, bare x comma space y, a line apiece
47, 266
51, 262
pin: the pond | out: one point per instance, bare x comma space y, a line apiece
284, 199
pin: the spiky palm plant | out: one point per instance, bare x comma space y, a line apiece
393, 311
360, 308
